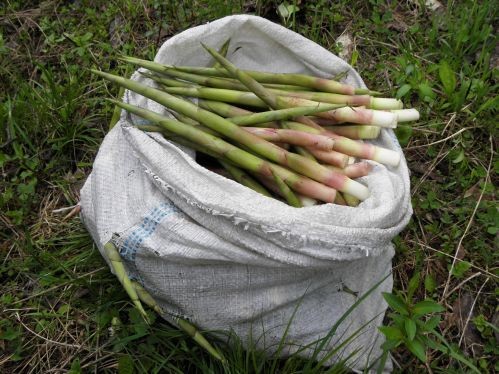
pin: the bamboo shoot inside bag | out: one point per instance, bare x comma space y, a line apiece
226, 257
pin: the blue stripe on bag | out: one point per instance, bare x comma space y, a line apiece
149, 224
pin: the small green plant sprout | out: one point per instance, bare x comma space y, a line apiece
287, 12
415, 325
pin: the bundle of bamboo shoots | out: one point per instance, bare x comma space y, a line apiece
294, 137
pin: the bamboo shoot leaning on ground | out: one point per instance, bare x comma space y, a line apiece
137, 294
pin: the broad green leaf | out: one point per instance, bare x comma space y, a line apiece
398, 319
3, 159
75, 367
434, 345
432, 323
489, 104
417, 349
125, 365
396, 303
447, 349
391, 332
460, 268
430, 284
10, 334
410, 328
404, 133
413, 285
427, 306
354, 58
403, 90
286, 10
426, 92
447, 77
459, 157
391, 344
64, 309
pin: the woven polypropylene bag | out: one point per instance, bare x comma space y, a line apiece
225, 257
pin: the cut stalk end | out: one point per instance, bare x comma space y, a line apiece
384, 103
406, 115
384, 119
308, 201
387, 157
356, 189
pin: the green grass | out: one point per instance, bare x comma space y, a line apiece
60, 306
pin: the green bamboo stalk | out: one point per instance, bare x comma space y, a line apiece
238, 156
217, 94
179, 140
243, 178
185, 119
137, 294
351, 147
197, 147
166, 81
359, 115
188, 121
118, 266
271, 185
300, 150
319, 84
231, 111
117, 110
340, 114
334, 158
190, 329
340, 200
255, 87
223, 51
183, 324
150, 128
356, 132
194, 333
293, 161
238, 174
223, 109
213, 82
355, 170
288, 194
243, 117
285, 87
272, 100
146, 297
293, 137
351, 200
351, 100
216, 82
303, 151
278, 115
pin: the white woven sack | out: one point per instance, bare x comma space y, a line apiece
226, 257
